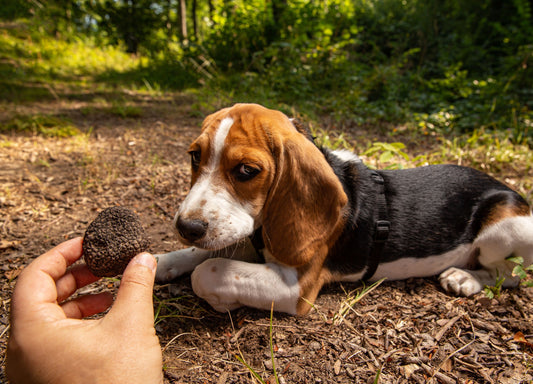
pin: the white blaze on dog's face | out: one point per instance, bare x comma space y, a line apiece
232, 170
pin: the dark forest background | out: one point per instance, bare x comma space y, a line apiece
439, 65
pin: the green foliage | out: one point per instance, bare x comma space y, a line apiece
494, 291
131, 22
448, 67
332, 140
521, 271
29, 56
49, 126
14, 9
388, 152
33, 64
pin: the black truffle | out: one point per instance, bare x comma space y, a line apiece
112, 240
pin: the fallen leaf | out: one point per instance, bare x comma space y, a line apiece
520, 338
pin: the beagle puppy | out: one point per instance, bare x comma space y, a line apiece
271, 218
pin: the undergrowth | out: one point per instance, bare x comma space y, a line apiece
46, 125
460, 120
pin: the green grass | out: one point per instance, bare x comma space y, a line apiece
45, 125
125, 110
35, 66
43, 57
353, 298
241, 359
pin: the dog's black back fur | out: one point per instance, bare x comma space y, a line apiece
432, 210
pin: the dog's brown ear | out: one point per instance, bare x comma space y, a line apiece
303, 211
303, 129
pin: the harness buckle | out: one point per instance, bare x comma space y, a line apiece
382, 230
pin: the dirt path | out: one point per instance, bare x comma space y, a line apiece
403, 332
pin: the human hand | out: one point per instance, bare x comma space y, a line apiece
49, 341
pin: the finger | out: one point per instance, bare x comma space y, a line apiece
56, 261
134, 298
77, 277
35, 290
85, 306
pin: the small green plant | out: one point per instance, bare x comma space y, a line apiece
494, 291
332, 140
272, 344
252, 371
388, 151
521, 271
353, 298
240, 357
43, 163
177, 307
376, 379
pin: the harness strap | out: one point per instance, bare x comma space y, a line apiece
258, 243
381, 227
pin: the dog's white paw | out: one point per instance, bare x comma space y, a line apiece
174, 264
460, 282
166, 268
215, 282
229, 284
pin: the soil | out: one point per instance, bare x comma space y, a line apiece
401, 332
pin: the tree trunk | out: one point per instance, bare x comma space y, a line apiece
194, 21
212, 9
168, 24
132, 42
183, 19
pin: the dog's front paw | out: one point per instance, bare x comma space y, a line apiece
215, 282
167, 268
460, 282
174, 264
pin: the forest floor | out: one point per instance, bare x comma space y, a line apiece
133, 154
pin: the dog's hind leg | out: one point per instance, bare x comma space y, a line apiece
504, 233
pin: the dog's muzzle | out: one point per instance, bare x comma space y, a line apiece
191, 230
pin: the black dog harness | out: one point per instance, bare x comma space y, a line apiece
381, 231
381, 227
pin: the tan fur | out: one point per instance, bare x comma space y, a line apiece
302, 216
502, 211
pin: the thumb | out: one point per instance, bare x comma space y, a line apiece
134, 298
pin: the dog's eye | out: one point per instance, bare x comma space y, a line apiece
196, 156
245, 172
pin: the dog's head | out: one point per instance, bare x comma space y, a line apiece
252, 168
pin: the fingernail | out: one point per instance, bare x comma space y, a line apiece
147, 260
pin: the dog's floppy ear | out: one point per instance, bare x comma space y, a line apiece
303, 210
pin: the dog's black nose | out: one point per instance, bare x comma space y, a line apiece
191, 230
